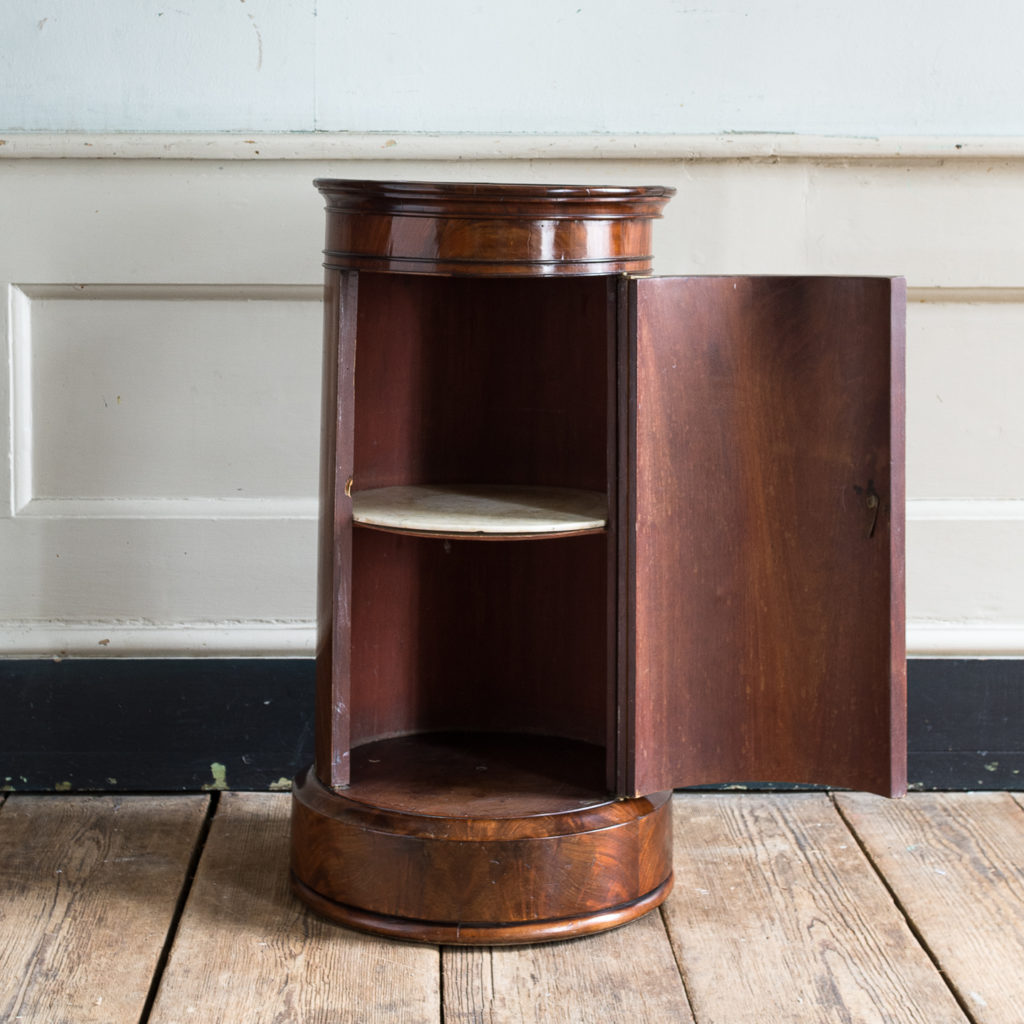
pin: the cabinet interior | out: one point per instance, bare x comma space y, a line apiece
483, 382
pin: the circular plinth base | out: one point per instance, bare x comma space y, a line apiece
478, 840
480, 934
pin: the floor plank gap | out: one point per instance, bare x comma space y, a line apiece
675, 959
248, 950
955, 862
898, 904
89, 885
440, 985
776, 918
788, 908
179, 907
624, 976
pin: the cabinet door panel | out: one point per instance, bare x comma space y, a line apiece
763, 544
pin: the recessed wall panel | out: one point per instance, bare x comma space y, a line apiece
169, 393
965, 414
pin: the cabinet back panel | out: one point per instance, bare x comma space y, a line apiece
483, 635
482, 381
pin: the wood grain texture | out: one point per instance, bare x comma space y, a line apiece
495, 382
89, 886
334, 566
955, 862
444, 637
490, 230
481, 381
626, 976
479, 839
778, 918
766, 546
246, 950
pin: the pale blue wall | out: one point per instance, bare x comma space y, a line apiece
834, 67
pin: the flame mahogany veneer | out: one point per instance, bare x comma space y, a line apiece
546, 854
489, 230
493, 715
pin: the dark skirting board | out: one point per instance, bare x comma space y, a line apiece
154, 725
247, 724
966, 723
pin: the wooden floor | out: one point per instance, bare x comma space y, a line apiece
787, 908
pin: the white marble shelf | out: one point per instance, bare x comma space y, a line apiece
486, 510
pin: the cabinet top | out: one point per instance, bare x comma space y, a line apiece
479, 229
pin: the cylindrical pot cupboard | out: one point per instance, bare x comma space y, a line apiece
586, 535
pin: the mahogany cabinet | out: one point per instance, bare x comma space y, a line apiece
586, 536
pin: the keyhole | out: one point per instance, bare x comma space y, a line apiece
872, 503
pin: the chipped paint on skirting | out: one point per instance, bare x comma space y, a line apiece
220, 777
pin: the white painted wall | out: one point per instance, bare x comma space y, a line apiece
159, 293
828, 67
161, 358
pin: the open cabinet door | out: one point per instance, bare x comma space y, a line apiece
761, 532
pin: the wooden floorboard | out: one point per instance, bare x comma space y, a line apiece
788, 909
955, 862
88, 890
626, 976
247, 951
778, 918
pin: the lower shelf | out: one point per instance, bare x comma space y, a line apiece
478, 840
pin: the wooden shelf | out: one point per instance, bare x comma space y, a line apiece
481, 510
479, 775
